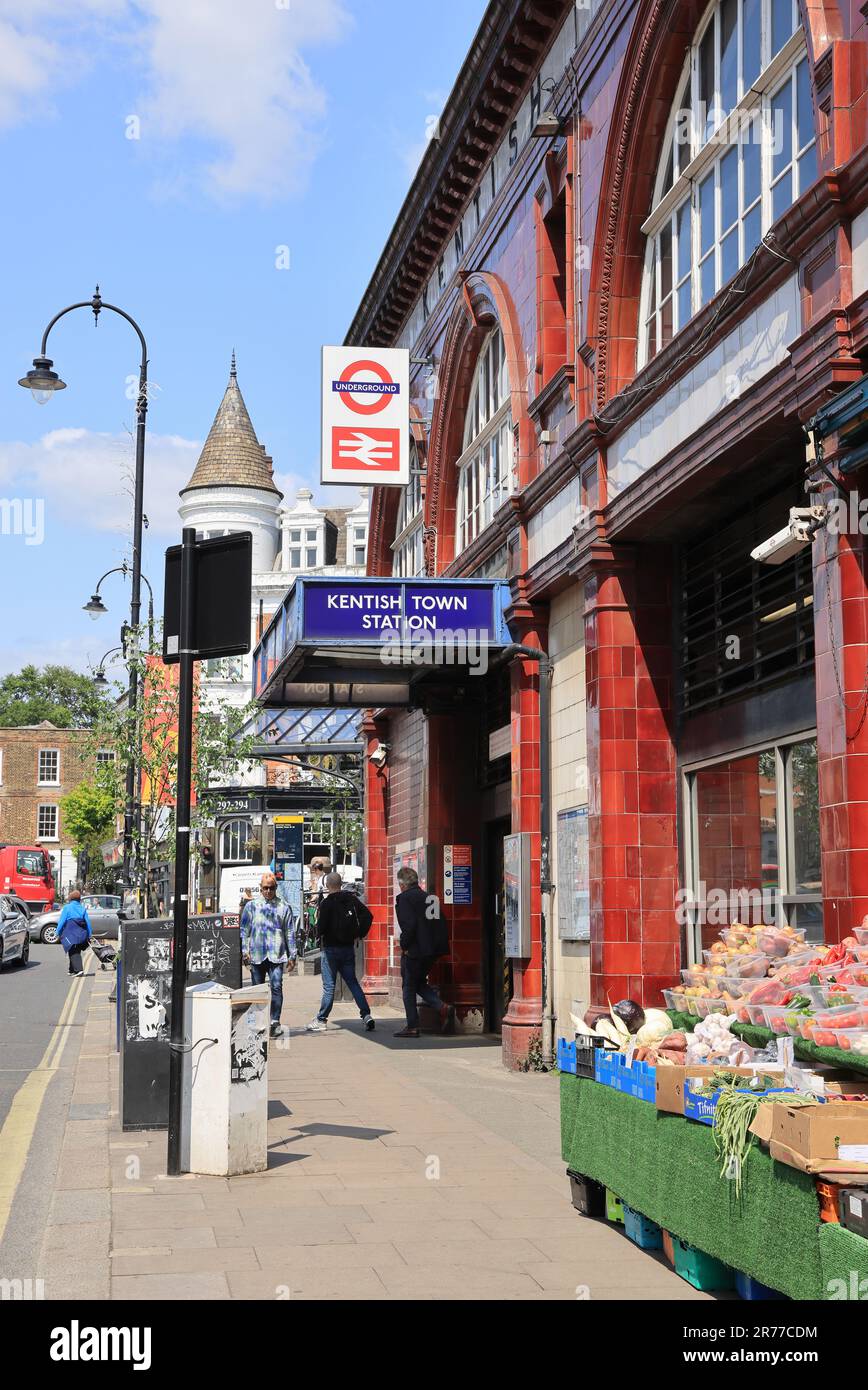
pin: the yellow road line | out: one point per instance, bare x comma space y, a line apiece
16, 1136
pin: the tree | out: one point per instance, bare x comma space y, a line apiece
57, 693
88, 818
219, 750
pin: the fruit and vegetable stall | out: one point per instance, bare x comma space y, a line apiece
729, 1131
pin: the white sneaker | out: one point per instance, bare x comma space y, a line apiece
317, 1026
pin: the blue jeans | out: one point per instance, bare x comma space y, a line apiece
274, 972
340, 960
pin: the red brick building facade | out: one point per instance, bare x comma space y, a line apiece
635, 261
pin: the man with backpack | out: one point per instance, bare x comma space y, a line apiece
341, 921
424, 937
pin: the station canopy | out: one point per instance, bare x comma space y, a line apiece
362, 642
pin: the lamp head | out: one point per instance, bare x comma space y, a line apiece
95, 607
41, 381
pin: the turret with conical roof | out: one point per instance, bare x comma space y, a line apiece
232, 488
232, 455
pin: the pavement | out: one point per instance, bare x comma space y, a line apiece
396, 1170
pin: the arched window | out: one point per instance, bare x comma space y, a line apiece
740, 149
485, 469
234, 842
408, 551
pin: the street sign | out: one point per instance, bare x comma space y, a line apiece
366, 611
288, 861
222, 622
458, 875
366, 416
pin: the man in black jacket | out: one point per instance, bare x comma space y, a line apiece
423, 939
342, 918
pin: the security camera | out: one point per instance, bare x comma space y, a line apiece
380, 755
783, 545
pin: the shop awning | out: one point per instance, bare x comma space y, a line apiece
360, 642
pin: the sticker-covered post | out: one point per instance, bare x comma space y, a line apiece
182, 841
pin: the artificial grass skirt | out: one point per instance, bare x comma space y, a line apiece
666, 1168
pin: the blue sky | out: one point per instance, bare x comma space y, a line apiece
256, 126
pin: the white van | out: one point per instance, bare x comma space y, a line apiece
234, 881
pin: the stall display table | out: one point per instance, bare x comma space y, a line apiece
665, 1167
805, 1051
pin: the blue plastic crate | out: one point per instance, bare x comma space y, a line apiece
642, 1231
753, 1291
702, 1108
566, 1056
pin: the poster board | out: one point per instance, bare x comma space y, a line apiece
573, 880
145, 1006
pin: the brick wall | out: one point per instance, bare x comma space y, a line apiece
20, 794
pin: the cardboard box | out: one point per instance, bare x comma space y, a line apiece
670, 1082
807, 1137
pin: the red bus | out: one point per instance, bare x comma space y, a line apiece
25, 870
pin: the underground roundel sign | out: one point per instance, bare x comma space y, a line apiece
366, 416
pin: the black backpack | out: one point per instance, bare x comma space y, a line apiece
352, 919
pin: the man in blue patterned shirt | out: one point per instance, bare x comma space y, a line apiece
268, 943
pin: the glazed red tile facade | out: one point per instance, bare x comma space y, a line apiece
622, 458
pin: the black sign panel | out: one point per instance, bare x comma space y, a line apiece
223, 587
145, 1004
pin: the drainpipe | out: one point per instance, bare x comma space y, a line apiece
546, 671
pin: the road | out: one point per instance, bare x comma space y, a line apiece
33, 1003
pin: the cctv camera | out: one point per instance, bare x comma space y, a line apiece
380, 755
783, 545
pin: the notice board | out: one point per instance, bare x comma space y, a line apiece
573, 885
145, 1005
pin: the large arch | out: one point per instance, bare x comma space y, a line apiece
485, 302
652, 68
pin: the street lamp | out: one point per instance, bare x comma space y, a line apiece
95, 608
42, 382
99, 679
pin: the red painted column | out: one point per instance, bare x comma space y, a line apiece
841, 636
523, 1019
375, 981
635, 937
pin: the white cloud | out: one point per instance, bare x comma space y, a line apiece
89, 476
232, 76
42, 48
227, 77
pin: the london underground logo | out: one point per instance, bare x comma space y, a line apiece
363, 396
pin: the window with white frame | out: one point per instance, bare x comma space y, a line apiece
752, 849
408, 548
46, 822
485, 469
104, 756
740, 149
49, 767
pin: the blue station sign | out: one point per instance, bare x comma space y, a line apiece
334, 611
361, 641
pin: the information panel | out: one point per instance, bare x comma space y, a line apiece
573, 888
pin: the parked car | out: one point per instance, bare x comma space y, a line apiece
104, 921
114, 901
14, 936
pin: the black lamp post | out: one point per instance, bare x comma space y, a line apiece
99, 674
95, 608
43, 382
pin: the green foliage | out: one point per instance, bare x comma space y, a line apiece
57, 693
88, 818
219, 752
88, 815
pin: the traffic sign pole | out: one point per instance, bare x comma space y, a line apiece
182, 845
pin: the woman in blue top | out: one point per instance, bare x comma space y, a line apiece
74, 931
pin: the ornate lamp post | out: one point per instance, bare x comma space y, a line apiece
43, 381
